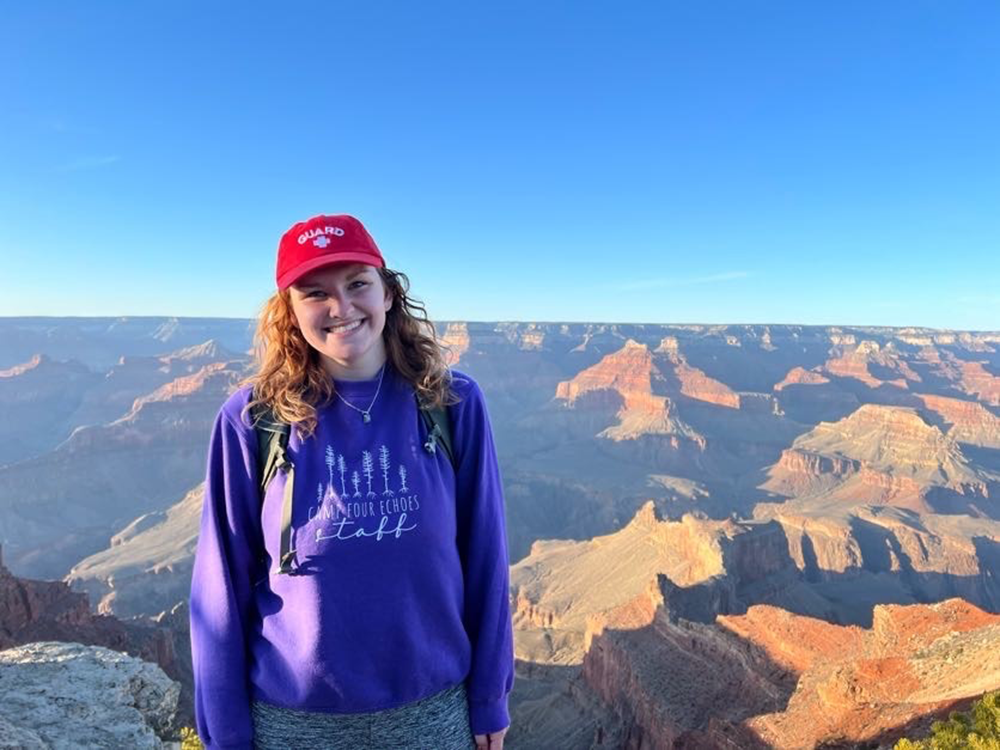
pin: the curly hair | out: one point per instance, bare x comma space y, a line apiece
290, 379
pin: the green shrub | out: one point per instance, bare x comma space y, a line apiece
977, 729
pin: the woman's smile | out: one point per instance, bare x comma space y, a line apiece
345, 328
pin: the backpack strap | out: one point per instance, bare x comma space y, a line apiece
438, 431
272, 457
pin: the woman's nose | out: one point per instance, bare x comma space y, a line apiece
339, 305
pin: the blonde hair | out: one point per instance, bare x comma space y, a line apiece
290, 379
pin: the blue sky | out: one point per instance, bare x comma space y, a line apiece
698, 162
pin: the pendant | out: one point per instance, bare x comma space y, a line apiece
366, 417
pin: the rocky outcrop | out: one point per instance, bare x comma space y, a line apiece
915, 662
567, 593
779, 680
31, 364
201, 354
885, 552
62, 695
666, 679
33, 610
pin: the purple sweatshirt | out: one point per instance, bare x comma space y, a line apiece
403, 585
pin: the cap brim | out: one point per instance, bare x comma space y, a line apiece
292, 275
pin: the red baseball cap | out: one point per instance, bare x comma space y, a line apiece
322, 241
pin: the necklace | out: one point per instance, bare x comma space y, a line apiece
366, 415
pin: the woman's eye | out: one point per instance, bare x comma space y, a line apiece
316, 294
359, 284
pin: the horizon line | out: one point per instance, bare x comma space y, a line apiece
525, 322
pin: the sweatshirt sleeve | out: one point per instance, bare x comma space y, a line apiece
221, 588
482, 544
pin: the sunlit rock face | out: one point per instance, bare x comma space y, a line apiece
887, 455
774, 679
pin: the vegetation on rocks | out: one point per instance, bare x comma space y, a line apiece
976, 729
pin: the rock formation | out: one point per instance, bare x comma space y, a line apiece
147, 568
777, 680
827, 471
32, 610
104, 476
627, 378
885, 455
37, 400
61, 695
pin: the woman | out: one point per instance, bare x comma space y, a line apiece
387, 623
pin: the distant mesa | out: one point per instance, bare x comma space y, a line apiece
879, 454
857, 363
801, 376
209, 376
45, 367
630, 373
649, 384
456, 341
31, 364
209, 350
167, 330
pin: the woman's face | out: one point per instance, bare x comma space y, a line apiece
340, 310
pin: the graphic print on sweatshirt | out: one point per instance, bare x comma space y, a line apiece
363, 497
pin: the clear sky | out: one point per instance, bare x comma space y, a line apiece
661, 162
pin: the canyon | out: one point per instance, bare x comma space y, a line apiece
716, 532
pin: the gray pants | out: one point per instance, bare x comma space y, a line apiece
437, 722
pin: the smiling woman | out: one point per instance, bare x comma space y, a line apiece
364, 604
340, 311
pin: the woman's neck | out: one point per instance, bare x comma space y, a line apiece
366, 370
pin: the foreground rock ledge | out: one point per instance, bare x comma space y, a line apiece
62, 695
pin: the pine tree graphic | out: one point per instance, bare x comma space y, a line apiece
356, 480
330, 460
402, 479
342, 468
368, 467
331, 493
383, 460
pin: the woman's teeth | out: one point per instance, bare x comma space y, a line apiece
345, 328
